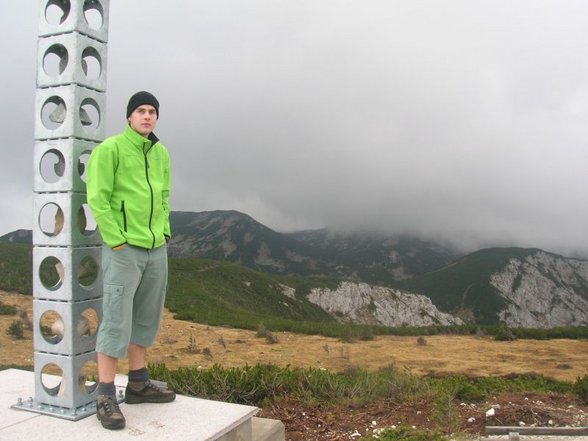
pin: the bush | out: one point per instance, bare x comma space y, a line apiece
7, 309
366, 334
348, 335
271, 339
262, 331
192, 347
255, 385
504, 333
468, 392
16, 329
581, 388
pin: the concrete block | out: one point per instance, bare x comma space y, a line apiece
64, 219
241, 432
71, 58
66, 328
87, 17
70, 111
60, 165
67, 274
61, 380
265, 429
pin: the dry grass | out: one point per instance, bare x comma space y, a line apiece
473, 356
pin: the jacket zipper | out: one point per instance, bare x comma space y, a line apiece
151, 193
124, 213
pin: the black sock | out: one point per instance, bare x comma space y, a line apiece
139, 375
106, 389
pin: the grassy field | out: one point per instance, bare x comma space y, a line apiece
182, 343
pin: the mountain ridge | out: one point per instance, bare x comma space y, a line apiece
367, 257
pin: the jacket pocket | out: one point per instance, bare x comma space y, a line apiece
124, 215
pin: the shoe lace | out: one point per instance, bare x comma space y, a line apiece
111, 406
150, 385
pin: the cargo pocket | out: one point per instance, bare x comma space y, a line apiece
113, 305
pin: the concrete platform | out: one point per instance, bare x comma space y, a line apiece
186, 418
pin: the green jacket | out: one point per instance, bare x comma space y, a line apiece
128, 181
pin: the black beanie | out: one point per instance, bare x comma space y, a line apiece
141, 98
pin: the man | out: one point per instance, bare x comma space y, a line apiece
128, 182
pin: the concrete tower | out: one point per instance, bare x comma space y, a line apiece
67, 285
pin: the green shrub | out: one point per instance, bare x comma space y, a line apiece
469, 392
271, 339
479, 388
192, 347
366, 334
581, 388
505, 334
348, 336
16, 261
16, 329
262, 331
7, 309
253, 385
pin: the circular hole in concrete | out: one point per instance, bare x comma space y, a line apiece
82, 220
83, 163
55, 60
88, 323
52, 327
51, 219
87, 271
89, 114
52, 166
86, 222
94, 14
88, 377
57, 11
51, 272
51, 379
91, 63
53, 112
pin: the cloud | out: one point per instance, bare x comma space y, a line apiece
454, 120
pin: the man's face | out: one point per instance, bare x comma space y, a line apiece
143, 119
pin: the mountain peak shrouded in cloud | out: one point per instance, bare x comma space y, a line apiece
461, 122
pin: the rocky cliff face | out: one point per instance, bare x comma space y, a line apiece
376, 305
544, 291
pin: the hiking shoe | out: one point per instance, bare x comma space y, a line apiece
147, 392
108, 412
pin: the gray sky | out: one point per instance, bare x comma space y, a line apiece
458, 120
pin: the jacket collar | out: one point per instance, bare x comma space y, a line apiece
140, 141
